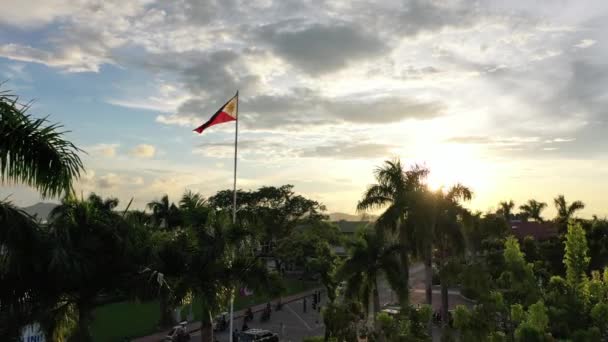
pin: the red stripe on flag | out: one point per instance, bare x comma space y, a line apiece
218, 118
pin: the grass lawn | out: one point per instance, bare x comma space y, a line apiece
117, 321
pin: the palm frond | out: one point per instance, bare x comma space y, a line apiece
35, 152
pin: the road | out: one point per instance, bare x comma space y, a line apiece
293, 323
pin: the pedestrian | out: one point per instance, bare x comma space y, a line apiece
304, 305
235, 335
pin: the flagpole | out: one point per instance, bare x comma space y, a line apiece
236, 139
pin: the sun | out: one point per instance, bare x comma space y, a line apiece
450, 164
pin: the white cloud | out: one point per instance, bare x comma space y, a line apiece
70, 58
104, 150
585, 43
143, 151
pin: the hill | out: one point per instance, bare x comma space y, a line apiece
349, 217
40, 210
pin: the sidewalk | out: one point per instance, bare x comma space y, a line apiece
196, 326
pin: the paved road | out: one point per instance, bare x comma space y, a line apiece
298, 324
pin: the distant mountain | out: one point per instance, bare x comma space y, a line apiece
350, 217
40, 210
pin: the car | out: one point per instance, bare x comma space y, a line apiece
258, 335
179, 333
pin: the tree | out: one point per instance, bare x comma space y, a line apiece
393, 192
566, 211
517, 281
311, 247
448, 237
222, 257
274, 212
576, 257
368, 256
532, 209
93, 251
165, 214
34, 152
506, 209
193, 208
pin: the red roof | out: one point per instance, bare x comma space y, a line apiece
537, 230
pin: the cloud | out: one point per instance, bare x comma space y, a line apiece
143, 151
32, 13
104, 150
585, 43
422, 16
109, 180
70, 58
317, 48
349, 150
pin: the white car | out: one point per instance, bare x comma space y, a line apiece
179, 333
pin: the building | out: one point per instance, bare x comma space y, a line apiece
537, 230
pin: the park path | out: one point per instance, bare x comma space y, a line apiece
196, 326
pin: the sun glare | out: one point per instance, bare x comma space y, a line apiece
450, 164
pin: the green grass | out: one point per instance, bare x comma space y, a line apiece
117, 321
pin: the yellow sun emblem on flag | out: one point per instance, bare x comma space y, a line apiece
231, 108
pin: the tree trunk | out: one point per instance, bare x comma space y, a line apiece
444, 302
206, 325
404, 296
377, 326
82, 333
166, 316
428, 274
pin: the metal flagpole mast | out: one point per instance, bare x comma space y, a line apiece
236, 139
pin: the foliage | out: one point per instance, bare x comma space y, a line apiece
517, 280
35, 152
576, 256
369, 255
395, 191
533, 209
565, 211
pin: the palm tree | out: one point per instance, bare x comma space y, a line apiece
565, 210
165, 214
449, 237
32, 152
194, 208
222, 257
92, 251
394, 193
370, 256
506, 209
532, 209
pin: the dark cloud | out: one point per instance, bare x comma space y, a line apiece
383, 110
418, 16
318, 49
348, 150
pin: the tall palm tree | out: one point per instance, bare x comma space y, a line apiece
369, 256
222, 258
565, 210
32, 152
394, 193
165, 214
449, 237
533, 209
93, 250
506, 209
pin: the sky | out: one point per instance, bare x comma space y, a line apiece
506, 97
